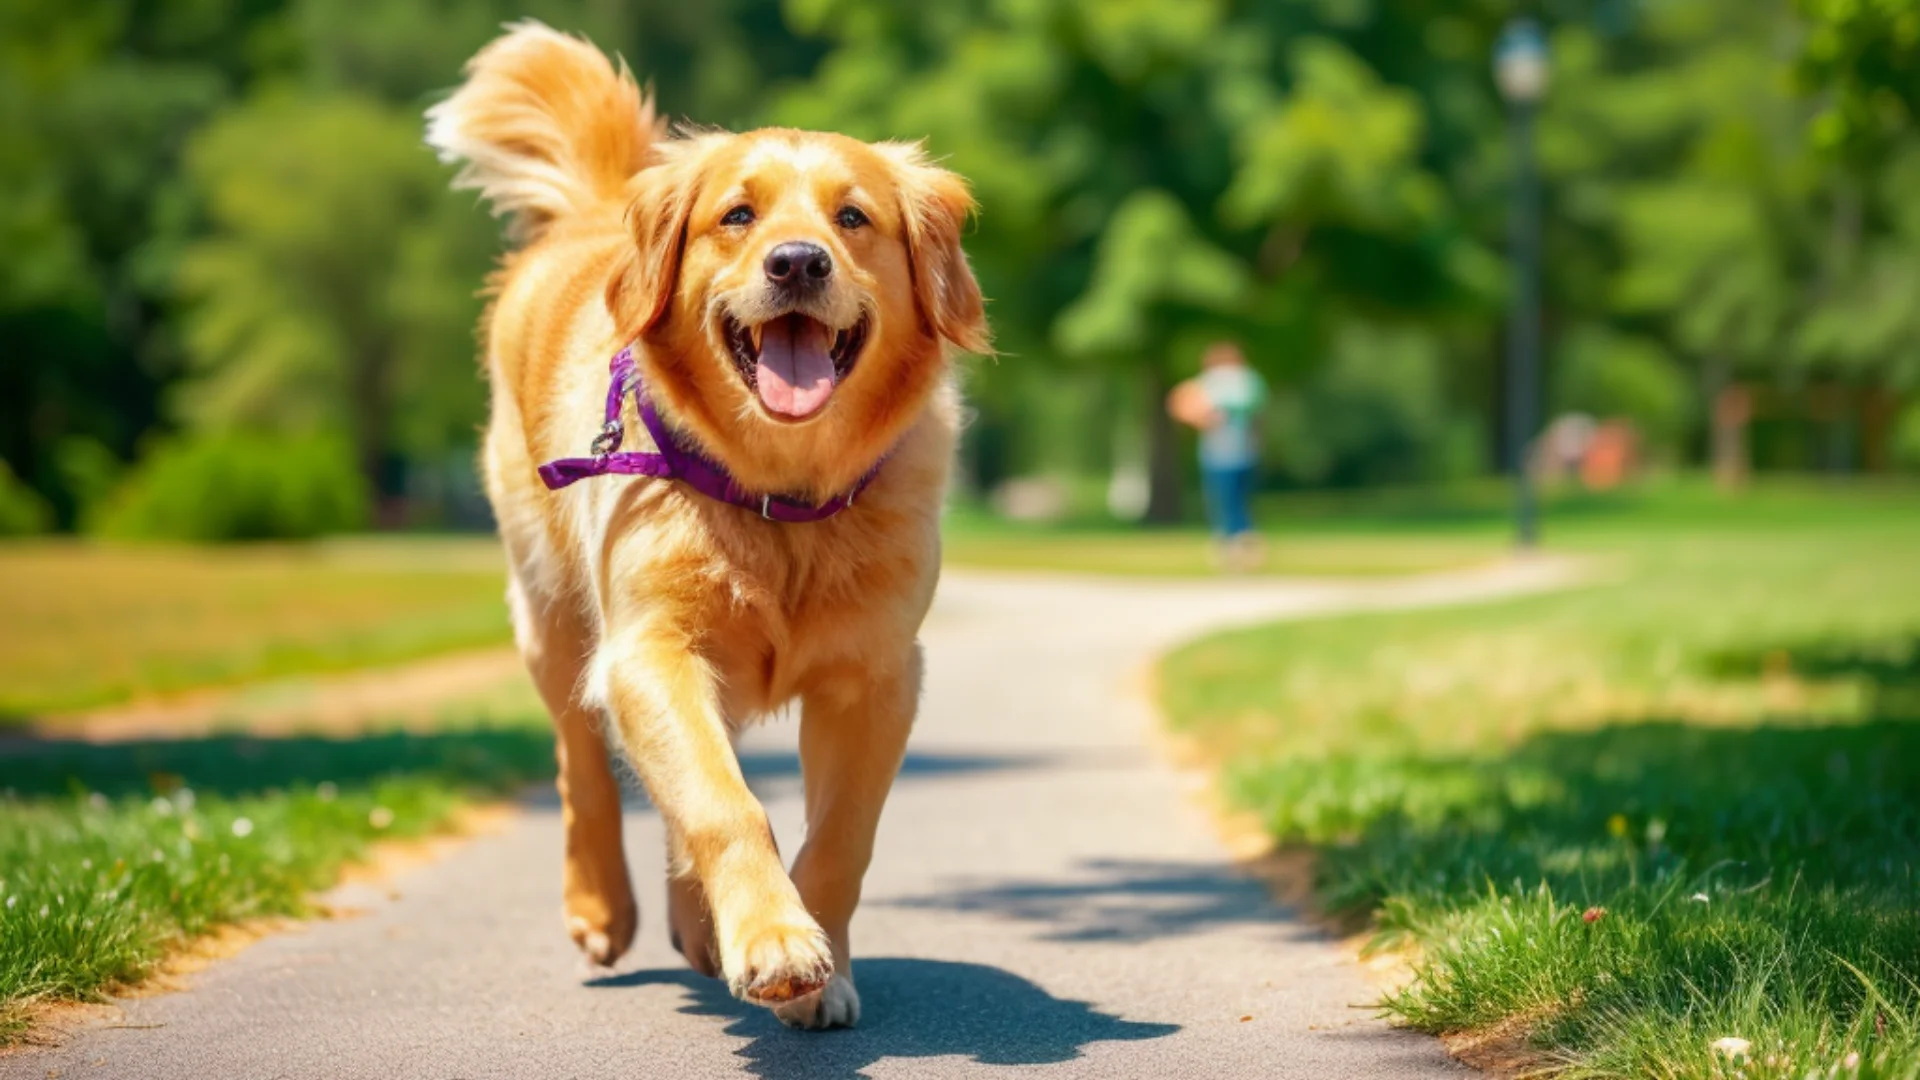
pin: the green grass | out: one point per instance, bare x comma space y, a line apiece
113, 856
1719, 750
1389, 531
991, 545
86, 625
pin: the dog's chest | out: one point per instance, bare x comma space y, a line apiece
774, 638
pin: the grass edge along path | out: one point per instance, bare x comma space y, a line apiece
119, 856
1665, 827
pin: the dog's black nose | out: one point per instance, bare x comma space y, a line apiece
798, 264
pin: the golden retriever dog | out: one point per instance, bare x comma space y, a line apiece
789, 299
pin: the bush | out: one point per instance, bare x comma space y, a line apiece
239, 486
22, 511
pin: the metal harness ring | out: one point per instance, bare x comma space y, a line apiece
609, 439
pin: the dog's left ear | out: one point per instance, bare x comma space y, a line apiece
934, 205
660, 201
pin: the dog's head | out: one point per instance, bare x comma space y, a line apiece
794, 291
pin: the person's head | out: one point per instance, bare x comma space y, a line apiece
1223, 354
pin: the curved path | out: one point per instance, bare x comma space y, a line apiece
1046, 896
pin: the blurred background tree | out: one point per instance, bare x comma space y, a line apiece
223, 233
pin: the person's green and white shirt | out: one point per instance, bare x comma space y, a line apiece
1238, 393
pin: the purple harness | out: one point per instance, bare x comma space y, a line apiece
677, 459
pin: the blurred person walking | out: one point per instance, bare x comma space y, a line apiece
1223, 403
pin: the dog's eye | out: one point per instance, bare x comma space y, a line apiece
850, 217
739, 215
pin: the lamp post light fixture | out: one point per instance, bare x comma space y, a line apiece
1520, 69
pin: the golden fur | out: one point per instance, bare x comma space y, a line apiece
676, 617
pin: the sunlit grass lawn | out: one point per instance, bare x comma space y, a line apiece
85, 625
1188, 552
112, 856
1626, 821
1401, 531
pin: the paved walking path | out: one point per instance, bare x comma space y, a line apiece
1046, 899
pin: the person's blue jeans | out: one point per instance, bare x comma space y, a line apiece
1229, 491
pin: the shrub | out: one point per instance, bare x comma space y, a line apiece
239, 486
22, 511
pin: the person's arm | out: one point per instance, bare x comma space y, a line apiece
1188, 403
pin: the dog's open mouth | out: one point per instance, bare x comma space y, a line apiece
793, 362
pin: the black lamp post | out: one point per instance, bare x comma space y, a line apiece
1520, 69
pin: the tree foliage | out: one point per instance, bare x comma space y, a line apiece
219, 218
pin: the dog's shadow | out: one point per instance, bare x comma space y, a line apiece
909, 1009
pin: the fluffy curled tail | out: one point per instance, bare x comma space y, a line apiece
547, 127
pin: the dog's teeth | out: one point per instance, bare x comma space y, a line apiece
753, 336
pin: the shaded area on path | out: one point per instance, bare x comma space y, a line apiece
1116, 900
912, 1008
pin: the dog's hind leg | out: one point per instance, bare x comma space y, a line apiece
853, 737
600, 910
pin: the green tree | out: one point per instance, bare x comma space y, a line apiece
335, 287
1155, 174
96, 97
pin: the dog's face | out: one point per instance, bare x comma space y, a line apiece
794, 290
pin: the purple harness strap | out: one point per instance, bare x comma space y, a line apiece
677, 459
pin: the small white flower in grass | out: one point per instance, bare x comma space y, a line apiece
43, 911
161, 806
11, 901
159, 856
1698, 898
184, 798
1851, 1061
1733, 1048
380, 817
327, 790
86, 864
242, 827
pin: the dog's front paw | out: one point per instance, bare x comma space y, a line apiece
780, 961
603, 936
836, 1004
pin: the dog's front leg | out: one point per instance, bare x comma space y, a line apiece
853, 736
663, 696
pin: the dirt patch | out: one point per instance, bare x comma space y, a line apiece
392, 858
1504, 1049
413, 695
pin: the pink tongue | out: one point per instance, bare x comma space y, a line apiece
795, 370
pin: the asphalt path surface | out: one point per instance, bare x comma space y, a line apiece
1048, 898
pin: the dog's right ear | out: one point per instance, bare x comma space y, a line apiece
661, 199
